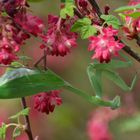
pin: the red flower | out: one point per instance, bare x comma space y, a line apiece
45, 102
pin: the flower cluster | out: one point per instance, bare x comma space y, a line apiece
58, 39
98, 130
45, 102
14, 6
105, 45
132, 25
98, 124
15, 28
33, 24
11, 38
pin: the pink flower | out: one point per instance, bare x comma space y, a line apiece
134, 2
98, 130
98, 124
59, 39
45, 102
104, 45
109, 31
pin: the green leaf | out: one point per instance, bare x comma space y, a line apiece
134, 14
23, 112
3, 131
123, 16
111, 20
16, 132
84, 27
23, 82
124, 8
68, 10
80, 23
88, 31
4, 14
127, 8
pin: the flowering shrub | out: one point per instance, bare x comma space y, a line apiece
77, 19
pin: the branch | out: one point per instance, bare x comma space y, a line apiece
95, 7
45, 59
28, 126
132, 53
78, 13
137, 39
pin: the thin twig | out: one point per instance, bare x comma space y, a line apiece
137, 39
96, 7
45, 59
28, 126
36, 64
78, 13
132, 53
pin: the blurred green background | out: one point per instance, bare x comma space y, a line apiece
69, 121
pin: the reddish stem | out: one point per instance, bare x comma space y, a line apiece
27, 120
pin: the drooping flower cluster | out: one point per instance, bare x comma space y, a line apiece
104, 44
15, 28
132, 25
45, 102
98, 124
14, 6
58, 40
11, 38
33, 24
